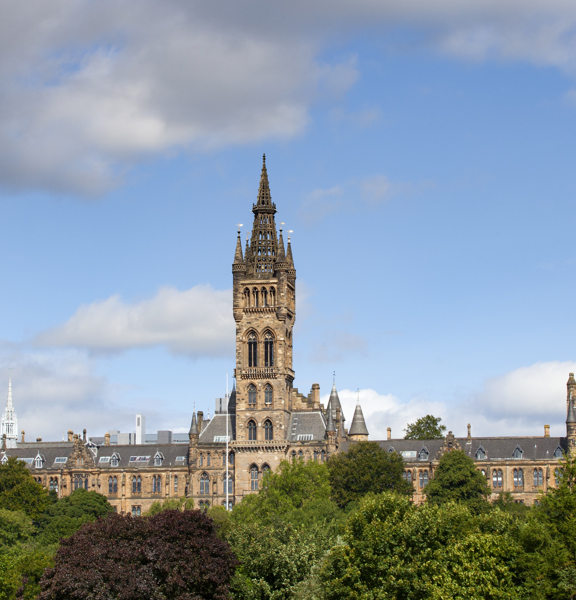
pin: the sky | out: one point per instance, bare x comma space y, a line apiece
421, 153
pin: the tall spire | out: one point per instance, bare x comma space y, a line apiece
358, 426
330, 422
9, 421
194, 425
238, 258
264, 197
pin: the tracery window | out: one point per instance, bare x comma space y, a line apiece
407, 475
538, 478
230, 484
112, 485
136, 485
255, 297
204, 484
156, 484
268, 350
53, 485
246, 297
252, 430
268, 431
264, 295
268, 395
518, 478
251, 395
254, 478
252, 350
497, 478
423, 478
136, 511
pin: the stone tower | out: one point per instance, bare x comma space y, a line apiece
264, 306
571, 414
9, 423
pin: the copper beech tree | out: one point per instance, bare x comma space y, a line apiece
174, 555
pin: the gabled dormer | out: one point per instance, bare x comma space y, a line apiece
424, 453
518, 452
481, 453
158, 459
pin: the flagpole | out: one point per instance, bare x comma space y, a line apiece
227, 457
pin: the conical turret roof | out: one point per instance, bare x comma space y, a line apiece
571, 418
358, 426
238, 258
264, 197
330, 422
194, 425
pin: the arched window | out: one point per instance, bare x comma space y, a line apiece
230, 485
112, 485
558, 453
423, 454
557, 477
204, 484
264, 294
268, 395
268, 350
315, 455
175, 484
517, 452
323, 455
231, 458
156, 484
255, 297
253, 477
252, 350
423, 478
246, 297
201, 460
77, 482
272, 300
538, 478
300, 454
251, 430
251, 395
208, 459
265, 469
497, 478
268, 431
518, 478
407, 475
293, 455
480, 454
133, 485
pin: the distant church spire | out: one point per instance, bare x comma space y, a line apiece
9, 423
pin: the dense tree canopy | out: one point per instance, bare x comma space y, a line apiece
425, 428
392, 549
456, 479
67, 515
365, 468
19, 491
172, 555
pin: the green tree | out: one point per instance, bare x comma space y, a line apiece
15, 528
19, 491
392, 549
425, 428
62, 519
21, 569
456, 479
170, 504
365, 468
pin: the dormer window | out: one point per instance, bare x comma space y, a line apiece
517, 452
391, 449
158, 458
38, 461
115, 460
558, 453
4, 459
423, 454
480, 454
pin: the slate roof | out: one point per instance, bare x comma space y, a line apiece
306, 424
51, 450
217, 428
496, 448
358, 426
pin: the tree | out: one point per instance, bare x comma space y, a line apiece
172, 555
20, 571
393, 549
170, 504
425, 428
70, 513
19, 491
15, 528
365, 468
456, 479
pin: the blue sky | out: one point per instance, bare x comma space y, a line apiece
421, 153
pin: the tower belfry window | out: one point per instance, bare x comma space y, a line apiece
252, 350
268, 395
268, 350
252, 395
251, 430
268, 431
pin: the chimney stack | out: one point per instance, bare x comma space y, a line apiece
389, 433
84, 435
200, 419
546, 430
106, 439
70, 435
38, 439
23, 436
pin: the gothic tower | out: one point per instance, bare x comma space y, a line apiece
264, 310
9, 423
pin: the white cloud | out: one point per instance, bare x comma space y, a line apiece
321, 203
517, 403
195, 322
87, 88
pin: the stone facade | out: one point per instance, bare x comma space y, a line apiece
266, 419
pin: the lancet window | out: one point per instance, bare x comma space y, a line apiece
204, 484
136, 485
252, 350
518, 478
538, 478
268, 395
254, 478
268, 350
112, 485
252, 395
252, 430
268, 431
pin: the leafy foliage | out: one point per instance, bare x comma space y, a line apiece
20, 571
171, 555
19, 491
170, 504
70, 513
392, 549
456, 479
365, 468
425, 428
15, 528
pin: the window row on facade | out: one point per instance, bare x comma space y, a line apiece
253, 396
205, 459
257, 346
257, 297
205, 485
253, 430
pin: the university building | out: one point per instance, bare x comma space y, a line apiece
265, 419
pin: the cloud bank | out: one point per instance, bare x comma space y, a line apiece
89, 88
196, 322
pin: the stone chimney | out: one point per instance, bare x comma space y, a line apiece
23, 436
70, 435
38, 439
546, 430
315, 394
389, 433
469, 431
106, 439
3, 441
200, 419
84, 435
